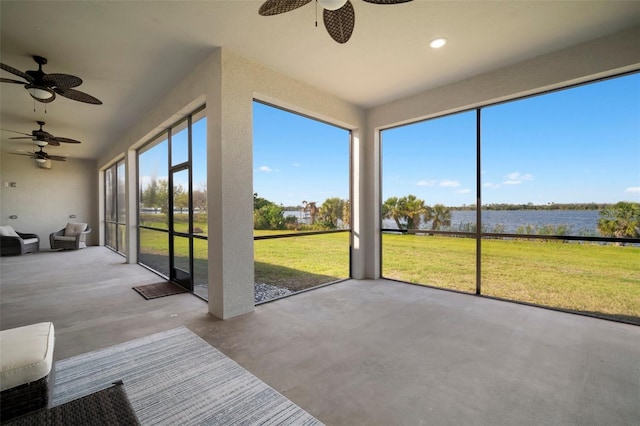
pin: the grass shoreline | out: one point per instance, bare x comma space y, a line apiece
598, 279
602, 280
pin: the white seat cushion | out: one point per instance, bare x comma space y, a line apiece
74, 229
26, 354
8, 231
61, 238
30, 240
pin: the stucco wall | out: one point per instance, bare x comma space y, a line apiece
45, 199
236, 82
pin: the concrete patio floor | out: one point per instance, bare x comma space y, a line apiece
358, 352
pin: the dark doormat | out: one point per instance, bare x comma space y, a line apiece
153, 291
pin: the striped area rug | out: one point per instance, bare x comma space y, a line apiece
176, 378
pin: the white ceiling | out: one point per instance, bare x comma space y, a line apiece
130, 54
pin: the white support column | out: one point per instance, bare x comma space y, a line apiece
366, 204
101, 218
230, 188
131, 183
358, 209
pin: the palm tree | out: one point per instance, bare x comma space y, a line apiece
441, 216
312, 208
392, 209
346, 214
621, 220
415, 210
332, 210
409, 209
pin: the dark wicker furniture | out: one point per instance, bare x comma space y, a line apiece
26, 369
77, 242
106, 407
17, 245
24, 399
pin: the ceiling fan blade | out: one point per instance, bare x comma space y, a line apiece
8, 80
56, 158
387, 1
31, 154
17, 72
65, 81
77, 95
275, 7
339, 23
13, 131
63, 140
22, 137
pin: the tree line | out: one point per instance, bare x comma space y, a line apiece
621, 220
156, 196
531, 206
410, 212
333, 213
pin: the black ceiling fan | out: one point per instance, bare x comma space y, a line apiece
43, 87
338, 15
43, 138
41, 156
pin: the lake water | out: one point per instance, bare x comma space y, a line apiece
581, 222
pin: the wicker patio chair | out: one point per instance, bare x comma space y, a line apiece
72, 237
13, 242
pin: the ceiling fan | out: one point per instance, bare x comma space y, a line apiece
338, 15
41, 156
43, 87
42, 138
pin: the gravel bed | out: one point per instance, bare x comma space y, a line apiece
267, 291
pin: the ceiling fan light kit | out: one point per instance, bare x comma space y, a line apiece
43, 87
40, 93
339, 15
332, 4
42, 138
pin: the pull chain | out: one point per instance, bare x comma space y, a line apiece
34, 107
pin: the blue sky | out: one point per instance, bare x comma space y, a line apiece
571, 146
579, 145
153, 163
296, 158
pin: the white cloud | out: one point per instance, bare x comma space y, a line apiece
265, 169
449, 184
463, 191
516, 178
633, 189
491, 185
426, 183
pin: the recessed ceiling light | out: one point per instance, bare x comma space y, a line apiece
437, 43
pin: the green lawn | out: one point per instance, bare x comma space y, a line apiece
302, 262
592, 278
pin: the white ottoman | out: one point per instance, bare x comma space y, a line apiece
26, 358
